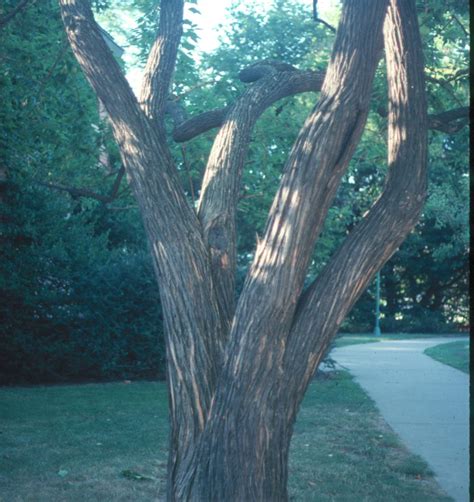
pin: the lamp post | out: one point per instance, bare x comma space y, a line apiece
377, 331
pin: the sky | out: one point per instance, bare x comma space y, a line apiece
212, 13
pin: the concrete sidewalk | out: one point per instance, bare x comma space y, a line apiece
425, 402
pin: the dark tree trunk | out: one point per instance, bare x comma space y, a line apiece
238, 373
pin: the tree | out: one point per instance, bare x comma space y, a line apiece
238, 372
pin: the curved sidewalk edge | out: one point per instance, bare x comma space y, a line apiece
425, 402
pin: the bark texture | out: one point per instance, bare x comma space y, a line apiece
221, 184
194, 328
243, 447
373, 241
237, 373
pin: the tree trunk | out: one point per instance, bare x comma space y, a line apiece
237, 375
244, 446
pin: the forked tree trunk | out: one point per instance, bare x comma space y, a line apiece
237, 374
243, 453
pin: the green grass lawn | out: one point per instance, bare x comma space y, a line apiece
455, 354
91, 442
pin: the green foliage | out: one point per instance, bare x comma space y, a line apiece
67, 264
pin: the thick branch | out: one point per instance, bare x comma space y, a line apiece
100, 67
293, 82
444, 121
162, 59
313, 172
221, 183
245, 396
189, 129
383, 229
307, 81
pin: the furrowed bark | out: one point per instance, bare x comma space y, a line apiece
161, 61
374, 240
194, 331
221, 184
242, 453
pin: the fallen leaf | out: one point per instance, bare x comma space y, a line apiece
136, 476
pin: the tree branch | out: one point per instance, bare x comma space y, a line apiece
99, 65
76, 192
373, 241
292, 82
464, 72
221, 183
4, 20
162, 59
329, 26
466, 33
307, 81
189, 129
444, 121
318, 20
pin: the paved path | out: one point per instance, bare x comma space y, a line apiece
425, 402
